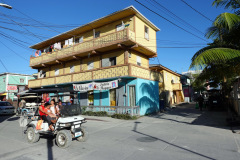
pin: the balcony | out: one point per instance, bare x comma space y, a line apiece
177, 86
129, 70
101, 44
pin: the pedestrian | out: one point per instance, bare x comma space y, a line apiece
200, 102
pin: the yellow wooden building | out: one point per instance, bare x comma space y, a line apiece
170, 88
115, 47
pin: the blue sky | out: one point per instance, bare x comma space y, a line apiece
57, 16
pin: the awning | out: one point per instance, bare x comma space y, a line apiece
3, 94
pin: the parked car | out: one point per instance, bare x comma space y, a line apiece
6, 108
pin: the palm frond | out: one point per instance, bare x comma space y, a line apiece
231, 4
210, 55
226, 21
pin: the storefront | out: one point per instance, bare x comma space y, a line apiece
120, 92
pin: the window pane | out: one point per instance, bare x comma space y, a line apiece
139, 60
71, 69
97, 34
56, 72
90, 65
105, 62
113, 61
113, 97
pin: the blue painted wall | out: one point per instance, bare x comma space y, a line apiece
147, 95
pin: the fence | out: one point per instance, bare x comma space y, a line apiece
131, 110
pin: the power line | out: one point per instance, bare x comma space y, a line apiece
21, 26
3, 65
197, 11
178, 18
13, 51
170, 21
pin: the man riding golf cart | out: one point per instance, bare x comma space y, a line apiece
68, 125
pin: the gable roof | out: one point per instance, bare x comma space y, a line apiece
161, 67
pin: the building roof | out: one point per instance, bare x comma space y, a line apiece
161, 67
1, 74
95, 24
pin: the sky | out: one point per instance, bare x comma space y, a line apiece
30, 22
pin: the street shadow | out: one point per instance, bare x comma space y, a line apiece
150, 138
13, 119
50, 144
5, 117
187, 114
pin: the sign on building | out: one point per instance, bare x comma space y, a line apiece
95, 86
12, 88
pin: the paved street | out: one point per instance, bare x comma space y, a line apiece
179, 134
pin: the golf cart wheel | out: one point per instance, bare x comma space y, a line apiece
64, 138
32, 137
84, 137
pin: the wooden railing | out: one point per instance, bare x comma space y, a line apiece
177, 86
99, 73
131, 110
86, 46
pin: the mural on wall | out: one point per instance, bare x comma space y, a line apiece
149, 98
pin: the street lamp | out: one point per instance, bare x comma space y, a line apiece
5, 5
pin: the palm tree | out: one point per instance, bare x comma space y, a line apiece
226, 36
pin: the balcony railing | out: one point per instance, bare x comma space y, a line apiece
177, 86
96, 43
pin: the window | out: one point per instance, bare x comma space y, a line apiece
120, 27
81, 39
21, 80
113, 97
146, 32
72, 69
56, 72
90, 65
41, 74
106, 62
4, 79
90, 98
112, 61
132, 96
97, 34
139, 60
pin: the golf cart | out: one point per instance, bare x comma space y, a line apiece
67, 127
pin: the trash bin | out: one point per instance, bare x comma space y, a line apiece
161, 107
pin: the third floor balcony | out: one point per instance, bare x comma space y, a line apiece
101, 44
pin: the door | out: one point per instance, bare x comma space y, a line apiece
132, 96
83, 99
120, 96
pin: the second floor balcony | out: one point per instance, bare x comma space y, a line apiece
100, 44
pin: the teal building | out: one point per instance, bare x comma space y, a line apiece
13, 83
